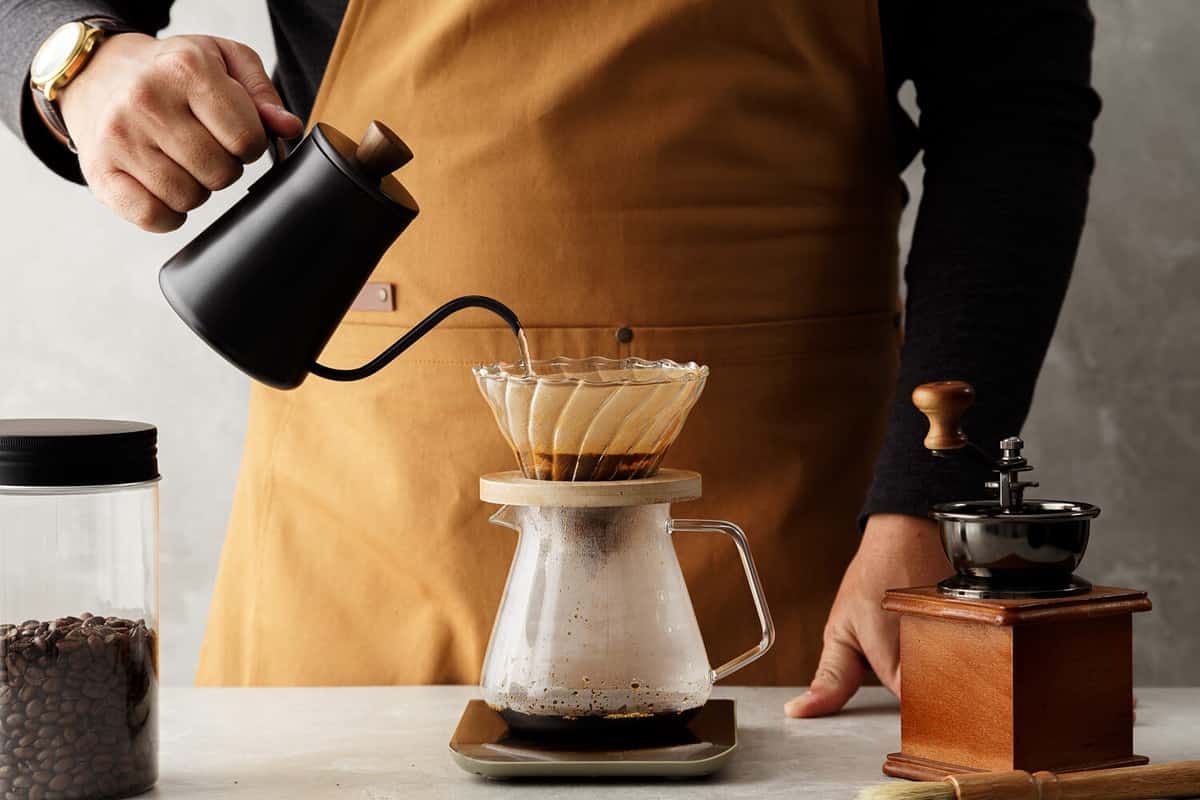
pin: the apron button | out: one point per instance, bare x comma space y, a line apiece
624, 335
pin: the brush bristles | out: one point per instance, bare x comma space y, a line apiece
939, 790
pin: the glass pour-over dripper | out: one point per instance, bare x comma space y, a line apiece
591, 419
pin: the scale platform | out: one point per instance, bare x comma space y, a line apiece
483, 745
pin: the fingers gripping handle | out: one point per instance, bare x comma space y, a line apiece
767, 627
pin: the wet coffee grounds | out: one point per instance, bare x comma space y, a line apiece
78, 708
595, 466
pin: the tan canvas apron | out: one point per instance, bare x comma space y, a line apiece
715, 177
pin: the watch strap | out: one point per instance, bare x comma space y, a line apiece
48, 109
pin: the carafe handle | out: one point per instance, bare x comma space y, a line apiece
756, 588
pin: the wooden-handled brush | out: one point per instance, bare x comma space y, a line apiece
1174, 779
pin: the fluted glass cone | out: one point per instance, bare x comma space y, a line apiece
591, 419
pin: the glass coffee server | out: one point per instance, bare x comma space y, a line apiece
78, 608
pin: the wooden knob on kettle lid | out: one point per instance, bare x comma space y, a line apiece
381, 152
944, 403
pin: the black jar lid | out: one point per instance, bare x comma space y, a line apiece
76, 452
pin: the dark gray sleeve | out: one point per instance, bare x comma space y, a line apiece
1007, 106
24, 25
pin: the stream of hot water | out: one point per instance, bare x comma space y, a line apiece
526, 357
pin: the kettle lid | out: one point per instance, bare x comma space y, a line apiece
369, 163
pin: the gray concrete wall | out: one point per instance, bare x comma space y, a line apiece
1117, 412
85, 332
1116, 419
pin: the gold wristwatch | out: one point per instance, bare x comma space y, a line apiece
62, 56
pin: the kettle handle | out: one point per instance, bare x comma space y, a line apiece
767, 627
277, 147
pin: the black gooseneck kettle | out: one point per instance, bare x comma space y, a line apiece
267, 283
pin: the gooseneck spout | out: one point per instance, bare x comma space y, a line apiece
420, 329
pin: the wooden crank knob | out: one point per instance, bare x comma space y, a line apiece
381, 152
944, 403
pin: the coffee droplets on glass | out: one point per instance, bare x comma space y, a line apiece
591, 419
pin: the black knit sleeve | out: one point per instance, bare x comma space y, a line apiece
1006, 113
24, 25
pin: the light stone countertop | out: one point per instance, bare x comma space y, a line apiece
392, 742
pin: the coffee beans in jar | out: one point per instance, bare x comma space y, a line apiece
78, 708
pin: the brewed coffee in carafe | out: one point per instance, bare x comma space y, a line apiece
596, 640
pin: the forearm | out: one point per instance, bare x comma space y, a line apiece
1006, 121
24, 25
985, 281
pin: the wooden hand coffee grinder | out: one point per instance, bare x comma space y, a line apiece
1013, 662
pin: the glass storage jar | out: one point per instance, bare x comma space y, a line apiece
78, 608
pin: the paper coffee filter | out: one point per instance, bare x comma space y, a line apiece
591, 419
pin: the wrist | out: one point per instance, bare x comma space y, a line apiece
62, 57
888, 525
71, 96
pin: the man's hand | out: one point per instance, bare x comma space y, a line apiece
161, 123
896, 551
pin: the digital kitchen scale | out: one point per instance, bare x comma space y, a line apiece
483, 745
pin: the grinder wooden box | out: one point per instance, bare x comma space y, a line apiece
1030, 684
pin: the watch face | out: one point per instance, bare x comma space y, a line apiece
56, 52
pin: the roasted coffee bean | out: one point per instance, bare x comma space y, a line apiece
77, 698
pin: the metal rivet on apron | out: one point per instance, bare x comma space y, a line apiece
375, 296
624, 335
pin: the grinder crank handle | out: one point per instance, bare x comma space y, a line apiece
1173, 779
767, 627
944, 403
